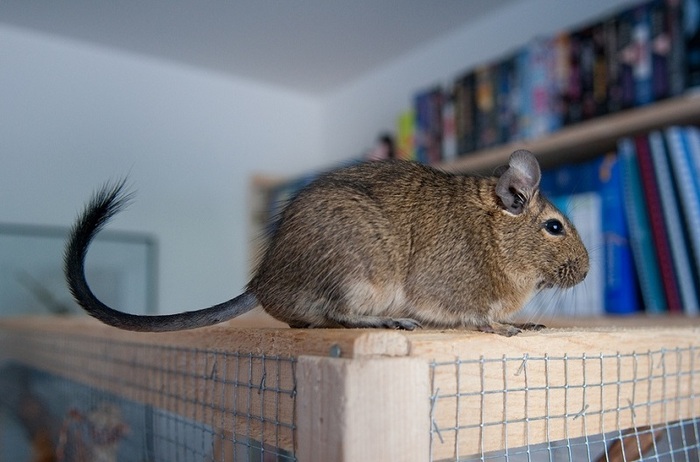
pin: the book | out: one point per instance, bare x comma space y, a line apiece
613, 64
464, 114
573, 97
691, 21
676, 56
449, 131
599, 79
626, 57
428, 125
667, 48
539, 101
621, 289
681, 144
641, 242
674, 225
405, 129
641, 56
507, 99
657, 224
561, 48
486, 115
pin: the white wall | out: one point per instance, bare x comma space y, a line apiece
73, 116
355, 115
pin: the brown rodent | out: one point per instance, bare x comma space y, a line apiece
385, 244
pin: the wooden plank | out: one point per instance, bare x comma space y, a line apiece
346, 343
362, 409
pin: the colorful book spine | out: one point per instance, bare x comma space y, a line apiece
573, 99
600, 84
486, 109
507, 100
682, 142
428, 134
674, 225
676, 56
405, 131
691, 20
465, 114
614, 65
449, 130
539, 109
657, 224
640, 235
626, 56
642, 68
620, 278
667, 48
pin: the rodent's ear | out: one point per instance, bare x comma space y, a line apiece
519, 182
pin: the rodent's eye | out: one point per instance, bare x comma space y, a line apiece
554, 227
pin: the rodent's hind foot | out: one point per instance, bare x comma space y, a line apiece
362, 322
506, 330
530, 326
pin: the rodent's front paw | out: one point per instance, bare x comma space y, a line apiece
403, 324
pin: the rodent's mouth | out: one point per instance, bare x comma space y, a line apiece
565, 276
572, 272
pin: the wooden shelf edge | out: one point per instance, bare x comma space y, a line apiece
586, 139
352, 343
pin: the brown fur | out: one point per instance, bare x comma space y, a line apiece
381, 244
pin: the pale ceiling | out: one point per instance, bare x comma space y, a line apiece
310, 46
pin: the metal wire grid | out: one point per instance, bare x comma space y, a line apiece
498, 396
178, 404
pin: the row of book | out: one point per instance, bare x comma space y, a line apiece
638, 212
634, 57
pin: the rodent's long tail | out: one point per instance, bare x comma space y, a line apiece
107, 202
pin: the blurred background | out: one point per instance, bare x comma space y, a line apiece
191, 99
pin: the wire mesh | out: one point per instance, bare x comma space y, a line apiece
571, 408
103, 399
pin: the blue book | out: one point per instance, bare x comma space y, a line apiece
620, 278
674, 225
640, 230
681, 143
